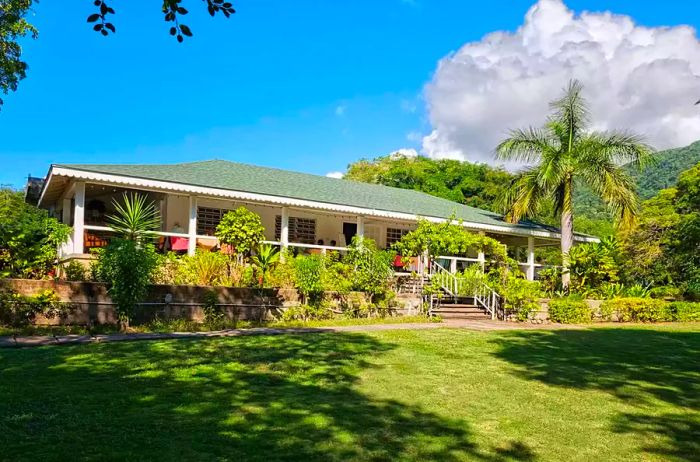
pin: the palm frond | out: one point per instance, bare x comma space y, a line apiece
525, 145
571, 111
619, 147
525, 196
135, 219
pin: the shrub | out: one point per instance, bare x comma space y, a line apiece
306, 313
242, 230
20, 310
371, 268
127, 267
637, 291
665, 292
639, 309
75, 271
519, 295
685, 311
204, 268
570, 311
308, 273
29, 238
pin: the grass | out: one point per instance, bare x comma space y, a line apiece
439, 394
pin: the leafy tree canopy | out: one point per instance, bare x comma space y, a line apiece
29, 237
477, 185
241, 229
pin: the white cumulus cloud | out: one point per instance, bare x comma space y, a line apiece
337, 175
635, 78
404, 152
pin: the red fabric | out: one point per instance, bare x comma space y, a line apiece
179, 243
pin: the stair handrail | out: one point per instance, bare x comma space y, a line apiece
484, 294
487, 297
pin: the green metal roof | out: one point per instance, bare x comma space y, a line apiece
283, 183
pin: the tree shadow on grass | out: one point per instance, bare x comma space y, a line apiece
639, 366
256, 398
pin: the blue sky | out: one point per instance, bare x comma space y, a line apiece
304, 85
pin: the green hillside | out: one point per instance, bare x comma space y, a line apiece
665, 174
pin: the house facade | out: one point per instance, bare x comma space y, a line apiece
300, 211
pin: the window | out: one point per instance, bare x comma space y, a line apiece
208, 219
302, 230
395, 235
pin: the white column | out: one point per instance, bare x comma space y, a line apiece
284, 229
531, 258
79, 219
192, 228
360, 227
453, 266
480, 256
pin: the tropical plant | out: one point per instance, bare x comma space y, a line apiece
128, 268
520, 296
204, 268
447, 238
136, 218
266, 258
371, 268
564, 152
570, 311
75, 271
308, 274
242, 230
129, 262
29, 238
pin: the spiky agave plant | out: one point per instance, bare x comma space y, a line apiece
136, 218
265, 259
564, 151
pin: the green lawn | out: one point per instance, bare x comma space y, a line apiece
604, 394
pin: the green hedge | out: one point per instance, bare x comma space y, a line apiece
569, 311
685, 311
651, 310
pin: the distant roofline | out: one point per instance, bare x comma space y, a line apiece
84, 172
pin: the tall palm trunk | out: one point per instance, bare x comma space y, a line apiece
567, 232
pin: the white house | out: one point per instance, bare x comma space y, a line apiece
298, 210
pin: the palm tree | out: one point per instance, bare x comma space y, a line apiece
265, 259
563, 153
135, 219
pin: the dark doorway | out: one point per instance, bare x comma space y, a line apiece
349, 231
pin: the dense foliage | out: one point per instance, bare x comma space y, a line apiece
570, 311
29, 238
448, 238
18, 310
241, 229
477, 185
664, 248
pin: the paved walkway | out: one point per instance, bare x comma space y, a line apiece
487, 325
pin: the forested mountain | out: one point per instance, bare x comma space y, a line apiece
664, 174
479, 185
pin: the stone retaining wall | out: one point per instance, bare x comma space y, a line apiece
91, 303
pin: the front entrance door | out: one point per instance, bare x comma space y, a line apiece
349, 231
